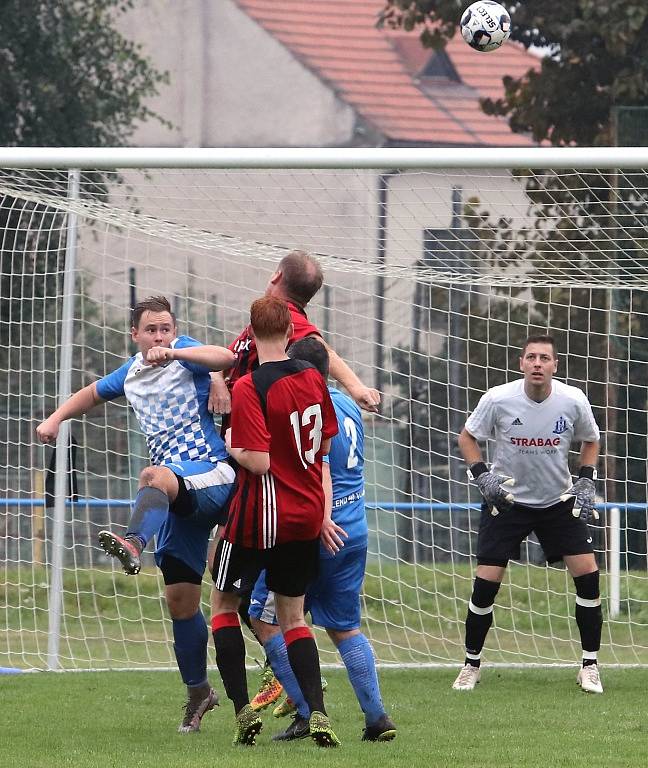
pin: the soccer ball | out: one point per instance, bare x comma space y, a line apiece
485, 25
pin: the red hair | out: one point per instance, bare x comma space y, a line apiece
269, 317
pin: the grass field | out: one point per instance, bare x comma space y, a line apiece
521, 718
412, 614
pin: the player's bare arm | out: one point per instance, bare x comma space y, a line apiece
208, 355
332, 533
589, 454
257, 462
220, 399
79, 403
469, 448
366, 397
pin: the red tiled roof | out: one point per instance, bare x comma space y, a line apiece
374, 71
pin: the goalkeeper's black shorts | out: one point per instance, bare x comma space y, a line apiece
558, 531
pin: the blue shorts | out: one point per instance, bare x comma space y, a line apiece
201, 505
333, 600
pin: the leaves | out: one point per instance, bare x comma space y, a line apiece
68, 77
597, 58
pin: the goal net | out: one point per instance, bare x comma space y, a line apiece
433, 278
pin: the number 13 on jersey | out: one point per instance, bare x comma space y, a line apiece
311, 417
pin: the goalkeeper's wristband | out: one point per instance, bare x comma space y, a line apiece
477, 469
587, 471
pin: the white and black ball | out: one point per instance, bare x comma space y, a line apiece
485, 25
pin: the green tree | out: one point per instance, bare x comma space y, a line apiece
68, 77
584, 227
596, 58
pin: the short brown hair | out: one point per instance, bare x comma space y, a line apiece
540, 339
302, 276
150, 304
269, 317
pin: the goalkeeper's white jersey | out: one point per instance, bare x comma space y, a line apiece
532, 439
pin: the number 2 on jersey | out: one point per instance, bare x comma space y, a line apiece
352, 434
312, 414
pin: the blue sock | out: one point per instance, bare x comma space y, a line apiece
151, 509
275, 649
358, 657
190, 637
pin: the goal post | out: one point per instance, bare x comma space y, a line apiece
437, 264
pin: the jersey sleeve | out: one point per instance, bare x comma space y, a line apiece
112, 385
183, 342
481, 421
585, 427
302, 327
233, 347
249, 428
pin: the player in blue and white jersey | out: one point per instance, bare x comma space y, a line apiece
185, 491
334, 598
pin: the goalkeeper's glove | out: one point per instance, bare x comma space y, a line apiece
583, 491
494, 488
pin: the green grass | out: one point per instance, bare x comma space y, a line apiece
521, 718
412, 614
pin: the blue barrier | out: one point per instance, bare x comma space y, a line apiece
387, 506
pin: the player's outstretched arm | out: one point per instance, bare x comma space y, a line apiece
207, 355
366, 397
78, 404
496, 489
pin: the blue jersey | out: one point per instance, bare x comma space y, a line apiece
346, 460
170, 403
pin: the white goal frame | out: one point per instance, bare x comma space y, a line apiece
78, 159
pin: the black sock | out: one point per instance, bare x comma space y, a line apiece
244, 614
480, 617
589, 616
230, 659
304, 660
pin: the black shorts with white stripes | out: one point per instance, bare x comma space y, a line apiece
558, 531
290, 567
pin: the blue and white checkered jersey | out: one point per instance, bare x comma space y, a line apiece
170, 403
346, 460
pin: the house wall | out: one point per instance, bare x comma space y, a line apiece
215, 237
231, 83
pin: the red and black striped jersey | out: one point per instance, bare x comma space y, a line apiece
283, 408
244, 346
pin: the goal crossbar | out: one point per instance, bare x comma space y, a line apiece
344, 157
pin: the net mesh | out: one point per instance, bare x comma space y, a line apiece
432, 281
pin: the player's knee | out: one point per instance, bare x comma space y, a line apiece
224, 602
587, 586
263, 630
182, 605
339, 636
156, 477
484, 592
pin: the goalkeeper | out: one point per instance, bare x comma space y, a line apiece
529, 488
